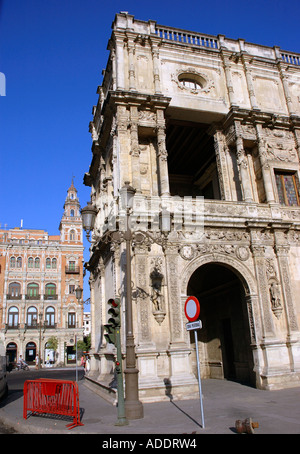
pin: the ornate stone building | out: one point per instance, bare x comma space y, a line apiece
38, 276
182, 116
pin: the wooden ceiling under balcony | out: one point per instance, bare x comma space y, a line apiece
190, 148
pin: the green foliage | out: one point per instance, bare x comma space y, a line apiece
52, 343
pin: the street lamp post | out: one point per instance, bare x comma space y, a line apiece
133, 407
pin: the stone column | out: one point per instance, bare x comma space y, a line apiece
142, 297
134, 151
123, 144
227, 67
224, 184
281, 251
284, 78
179, 351
243, 170
155, 56
293, 335
297, 140
266, 173
119, 53
253, 102
267, 325
175, 309
163, 175
131, 75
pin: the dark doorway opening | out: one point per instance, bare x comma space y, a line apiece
225, 333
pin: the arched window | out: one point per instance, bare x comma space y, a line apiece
14, 289
30, 262
50, 316
13, 262
48, 263
72, 235
50, 291
54, 263
37, 262
19, 262
13, 317
32, 291
32, 316
72, 213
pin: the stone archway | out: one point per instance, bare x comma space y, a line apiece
227, 333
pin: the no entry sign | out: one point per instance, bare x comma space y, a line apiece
192, 308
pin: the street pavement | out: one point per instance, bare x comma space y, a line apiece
224, 402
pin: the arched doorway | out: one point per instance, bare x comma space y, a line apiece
225, 335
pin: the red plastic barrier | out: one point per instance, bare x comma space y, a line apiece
59, 397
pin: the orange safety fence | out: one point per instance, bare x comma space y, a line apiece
52, 396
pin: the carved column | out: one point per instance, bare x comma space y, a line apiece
225, 55
281, 251
119, 53
123, 144
224, 185
131, 49
175, 309
163, 175
297, 140
266, 173
284, 78
293, 339
267, 324
179, 351
243, 166
142, 297
155, 56
245, 60
135, 152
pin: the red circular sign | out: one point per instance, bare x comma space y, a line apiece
192, 308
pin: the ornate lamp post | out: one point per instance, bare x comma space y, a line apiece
133, 407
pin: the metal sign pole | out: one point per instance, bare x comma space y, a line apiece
199, 378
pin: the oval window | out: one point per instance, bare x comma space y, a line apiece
192, 81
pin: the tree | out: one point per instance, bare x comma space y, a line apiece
52, 343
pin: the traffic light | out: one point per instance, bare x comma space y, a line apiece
110, 335
114, 311
114, 321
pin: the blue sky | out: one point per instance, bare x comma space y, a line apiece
52, 54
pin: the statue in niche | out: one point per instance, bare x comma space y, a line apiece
275, 298
157, 295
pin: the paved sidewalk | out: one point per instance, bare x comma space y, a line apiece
224, 402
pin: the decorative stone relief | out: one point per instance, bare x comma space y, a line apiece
281, 152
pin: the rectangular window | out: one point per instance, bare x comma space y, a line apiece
287, 188
71, 320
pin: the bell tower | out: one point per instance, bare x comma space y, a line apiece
71, 222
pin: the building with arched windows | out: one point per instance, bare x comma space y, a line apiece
209, 127
38, 276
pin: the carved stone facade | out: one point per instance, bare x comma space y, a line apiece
183, 116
